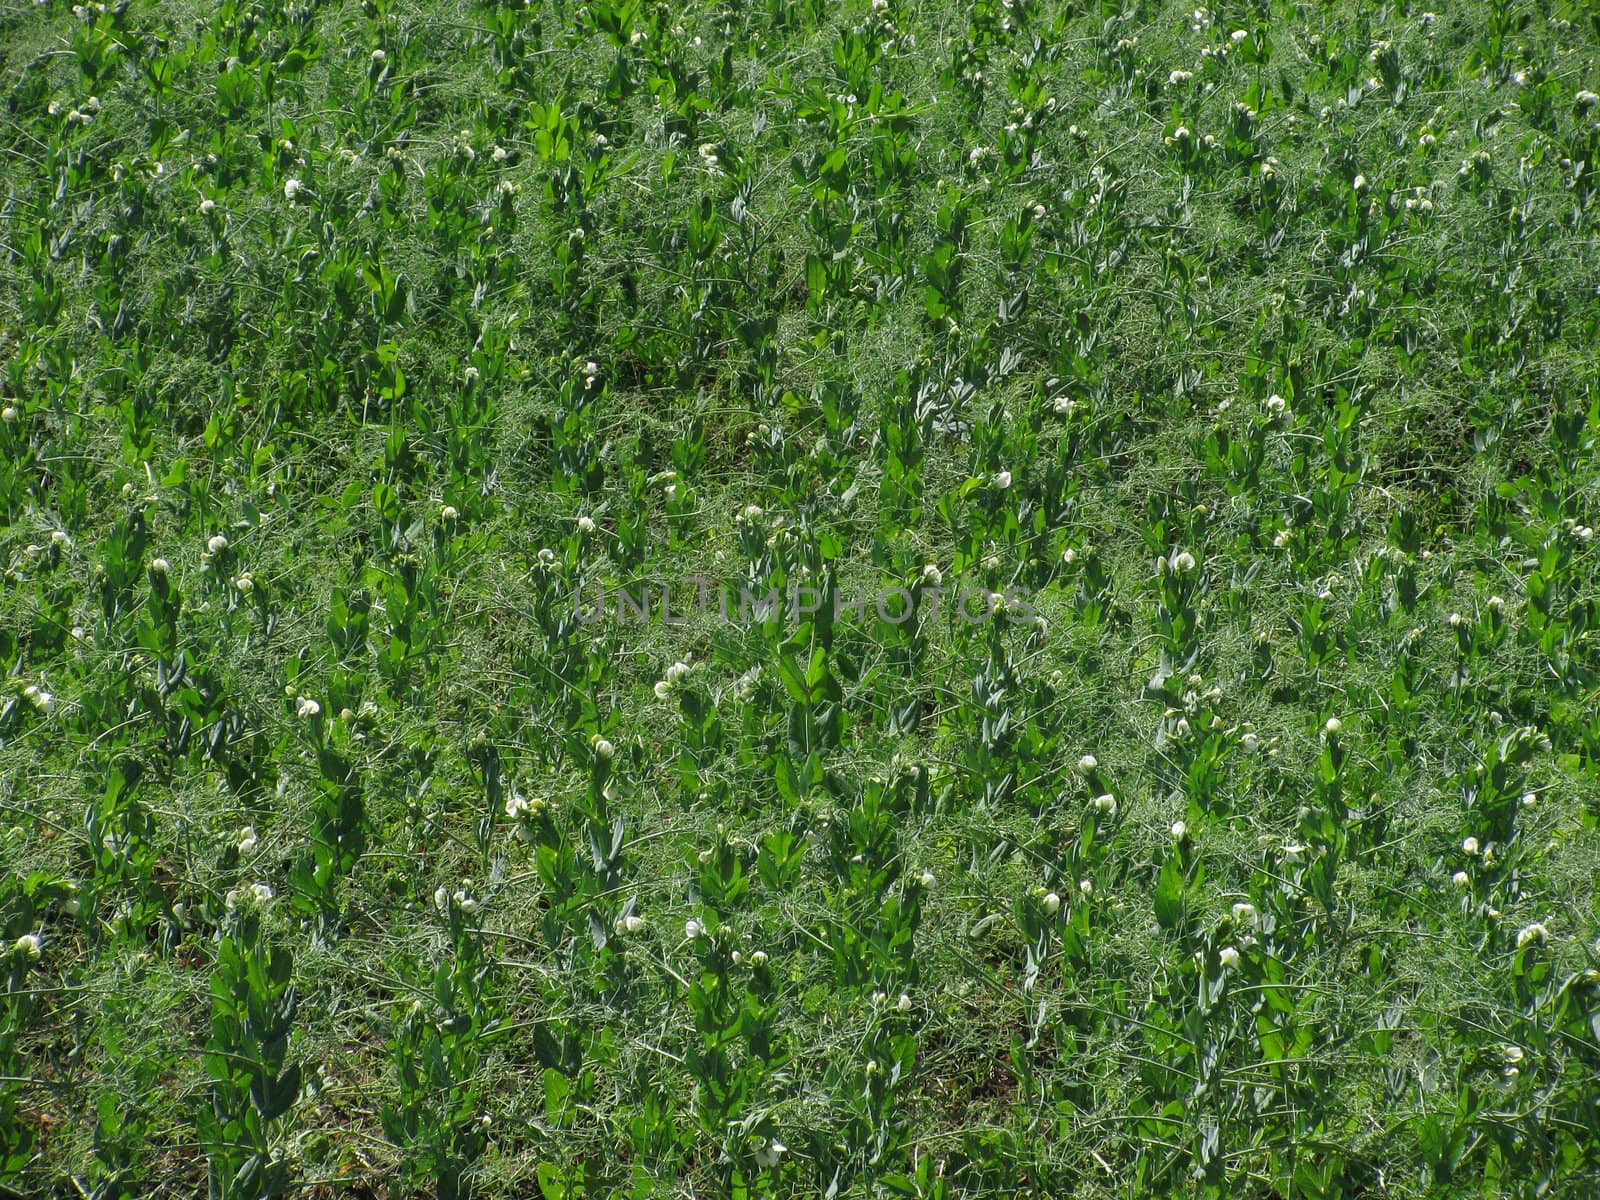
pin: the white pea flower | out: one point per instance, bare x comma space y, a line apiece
693, 929
245, 584
1002, 480
1244, 914
1052, 903
745, 686
904, 1002
1249, 742
1106, 803
1587, 99
308, 707
291, 189
217, 544
448, 513
379, 55
926, 878
247, 839
207, 206
1237, 36
516, 805
1332, 726
1179, 831
1088, 763
262, 892
1229, 957
8, 414
1460, 879
932, 575
632, 923
1535, 934
1469, 845
603, 748
586, 525
441, 897
767, 1157
1182, 561
1086, 887
159, 566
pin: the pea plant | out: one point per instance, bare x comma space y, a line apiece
253, 1082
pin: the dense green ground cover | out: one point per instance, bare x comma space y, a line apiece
1239, 838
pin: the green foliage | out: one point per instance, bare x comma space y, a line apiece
1053, 542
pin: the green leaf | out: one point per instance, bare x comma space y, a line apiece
274, 1099
1169, 895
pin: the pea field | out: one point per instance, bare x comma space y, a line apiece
799, 598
